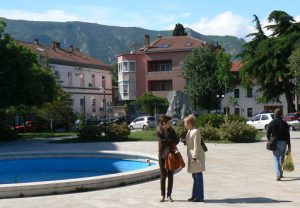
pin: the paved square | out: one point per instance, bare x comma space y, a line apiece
238, 175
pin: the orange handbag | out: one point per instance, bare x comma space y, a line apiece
174, 160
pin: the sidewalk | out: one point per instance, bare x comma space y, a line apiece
238, 175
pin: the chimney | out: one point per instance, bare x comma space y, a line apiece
146, 41
36, 41
77, 50
55, 45
71, 48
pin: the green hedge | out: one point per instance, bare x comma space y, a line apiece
117, 132
237, 131
6, 133
216, 120
209, 133
91, 132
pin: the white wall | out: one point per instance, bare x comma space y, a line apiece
89, 92
245, 102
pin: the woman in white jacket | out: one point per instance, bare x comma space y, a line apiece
196, 158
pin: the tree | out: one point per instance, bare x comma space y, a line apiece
60, 109
207, 74
179, 30
114, 74
294, 64
149, 102
22, 80
265, 58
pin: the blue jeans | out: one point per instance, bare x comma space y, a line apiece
198, 192
278, 156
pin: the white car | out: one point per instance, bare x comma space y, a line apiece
294, 125
143, 122
261, 121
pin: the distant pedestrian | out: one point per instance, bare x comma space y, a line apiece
196, 158
167, 139
278, 129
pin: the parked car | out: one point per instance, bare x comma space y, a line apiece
143, 122
261, 121
32, 126
292, 116
294, 125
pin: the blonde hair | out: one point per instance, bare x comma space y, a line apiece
191, 119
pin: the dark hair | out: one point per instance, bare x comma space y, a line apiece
278, 112
164, 119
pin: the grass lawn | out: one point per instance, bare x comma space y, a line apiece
33, 135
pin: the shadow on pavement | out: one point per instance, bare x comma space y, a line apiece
290, 179
253, 200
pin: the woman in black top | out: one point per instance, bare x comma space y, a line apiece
167, 138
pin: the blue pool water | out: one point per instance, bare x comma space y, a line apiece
47, 169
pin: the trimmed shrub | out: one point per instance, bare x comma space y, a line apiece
6, 133
118, 132
234, 117
90, 132
180, 129
236, 131
209, 133
215, 120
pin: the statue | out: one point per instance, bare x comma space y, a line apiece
179, 104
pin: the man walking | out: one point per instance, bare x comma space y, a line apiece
279, 130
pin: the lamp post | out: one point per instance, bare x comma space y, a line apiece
104, 106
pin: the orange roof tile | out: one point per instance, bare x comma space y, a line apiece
174, 43
236, 66
66, 57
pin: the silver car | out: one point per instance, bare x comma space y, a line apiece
294, 125
143, 122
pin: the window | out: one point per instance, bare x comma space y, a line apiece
125, 66
69, 79
264, 117
82, 104
249, 112
237, 93
156, 66
249, 92
81, 80
132, 66
237, 111
56, 73
103, 82
161, 85
93, 80
125, 90
139, 119
93, 105
257, 118
119, 67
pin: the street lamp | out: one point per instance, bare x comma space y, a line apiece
104, 106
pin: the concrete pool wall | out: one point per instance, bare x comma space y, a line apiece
79, 184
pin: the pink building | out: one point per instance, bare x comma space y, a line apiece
156, 67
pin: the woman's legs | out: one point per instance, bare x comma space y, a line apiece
198, 190
170, 174
163, 176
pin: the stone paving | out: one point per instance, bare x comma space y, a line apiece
238, 175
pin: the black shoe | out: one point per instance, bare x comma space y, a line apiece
170, 199
198, 200
162, 199
191, 199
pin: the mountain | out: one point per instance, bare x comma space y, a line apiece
102, 41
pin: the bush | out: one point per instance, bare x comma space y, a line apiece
234, 117
118, 132
6, 133
237, 131
90, 132
180, 130
209, 133
215, 120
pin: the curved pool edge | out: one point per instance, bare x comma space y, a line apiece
79, 184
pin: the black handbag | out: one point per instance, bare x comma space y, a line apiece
272, 144
204, 147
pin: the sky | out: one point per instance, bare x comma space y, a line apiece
209, 17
